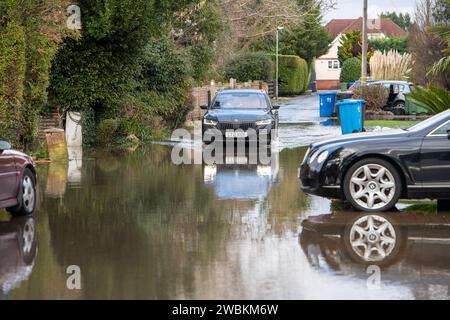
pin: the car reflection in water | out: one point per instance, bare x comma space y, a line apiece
242, 177
18, 250
410, 248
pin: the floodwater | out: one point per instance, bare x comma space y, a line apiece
140, 227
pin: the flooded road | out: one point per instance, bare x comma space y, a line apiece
140, 227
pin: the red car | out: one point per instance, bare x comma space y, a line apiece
17, 181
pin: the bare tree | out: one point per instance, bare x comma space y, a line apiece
256, 18
425, 46
249, 20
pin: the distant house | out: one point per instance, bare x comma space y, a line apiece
327, 67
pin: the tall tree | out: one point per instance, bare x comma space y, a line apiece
249, 21
308, 40
442, 30
425, 46
351, 46
403, 20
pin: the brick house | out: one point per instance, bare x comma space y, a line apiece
327, 67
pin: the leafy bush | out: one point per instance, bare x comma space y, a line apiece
107, 130
12, 75
249, 66
398, 44
431, 98
293, 74
351, 46
351, 70
375, 96
30, 33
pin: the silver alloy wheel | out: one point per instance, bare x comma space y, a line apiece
372, 186
28, 236
373, 238
28, 196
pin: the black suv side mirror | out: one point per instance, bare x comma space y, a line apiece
276, 106
4, 145
204, 107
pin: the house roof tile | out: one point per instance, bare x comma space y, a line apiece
384, 25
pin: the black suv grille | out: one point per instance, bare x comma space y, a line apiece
234, 126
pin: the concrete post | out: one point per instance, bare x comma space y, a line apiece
56, 143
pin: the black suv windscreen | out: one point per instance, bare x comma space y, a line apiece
241, 100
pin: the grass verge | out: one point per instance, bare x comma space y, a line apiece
390, 123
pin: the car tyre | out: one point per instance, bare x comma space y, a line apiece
399, 109
372, 185
388, 244
27, 195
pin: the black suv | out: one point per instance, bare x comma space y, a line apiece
239, 113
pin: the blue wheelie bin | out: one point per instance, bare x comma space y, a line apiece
327, 101
351, 115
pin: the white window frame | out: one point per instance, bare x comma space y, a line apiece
432, 133
333, 65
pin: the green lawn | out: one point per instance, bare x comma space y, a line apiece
280, 100
390, 123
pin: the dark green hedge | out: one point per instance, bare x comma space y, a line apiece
12, 75
351, 70
249, 66
293, 74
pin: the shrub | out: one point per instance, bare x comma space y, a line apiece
351, 46
398, 44
431, 98
249, 66
351, 70
390, 66
107, 130
293, 74
375, 96
12, 75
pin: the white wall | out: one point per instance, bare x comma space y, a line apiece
323, 73
321, 64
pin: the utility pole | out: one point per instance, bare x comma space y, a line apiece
364, 47
276, 68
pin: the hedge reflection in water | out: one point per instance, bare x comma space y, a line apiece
142, 227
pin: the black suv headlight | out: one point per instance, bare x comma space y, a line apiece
264, 122
209, 122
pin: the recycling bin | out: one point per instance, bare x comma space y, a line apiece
351, 115
327, 101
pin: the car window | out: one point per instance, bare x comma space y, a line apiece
241, 100
401, 88
442, 130
428, 123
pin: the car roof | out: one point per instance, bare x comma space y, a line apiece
391, 81
242, 90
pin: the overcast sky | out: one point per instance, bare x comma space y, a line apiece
353, 8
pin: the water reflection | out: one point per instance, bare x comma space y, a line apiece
235, 177
412, 249
18, 249
141, 227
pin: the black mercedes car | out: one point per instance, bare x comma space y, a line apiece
241, 114
373, 170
